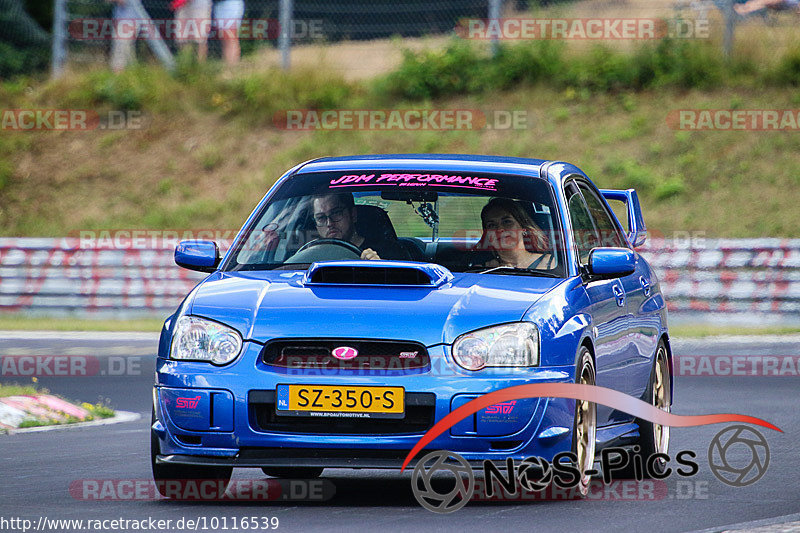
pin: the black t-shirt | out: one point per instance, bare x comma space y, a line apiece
387, 249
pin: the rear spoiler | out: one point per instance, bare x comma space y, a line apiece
637, 231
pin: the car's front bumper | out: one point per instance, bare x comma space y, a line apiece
216, 421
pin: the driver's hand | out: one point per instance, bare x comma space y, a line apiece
369, 253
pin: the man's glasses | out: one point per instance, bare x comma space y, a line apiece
321, 219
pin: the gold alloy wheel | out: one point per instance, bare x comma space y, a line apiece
662, 398
585, 430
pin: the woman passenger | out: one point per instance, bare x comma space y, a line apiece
513, 237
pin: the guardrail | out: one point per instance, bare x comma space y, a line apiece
58, 277
729, 275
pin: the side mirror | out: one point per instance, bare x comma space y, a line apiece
611, 263
202, 256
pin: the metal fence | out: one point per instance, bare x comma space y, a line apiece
289, 22
301, 22
753, 280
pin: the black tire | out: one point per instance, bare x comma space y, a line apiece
167, 475
291, 472
585, 417
649, 433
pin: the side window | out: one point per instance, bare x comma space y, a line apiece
583, 229
609, 233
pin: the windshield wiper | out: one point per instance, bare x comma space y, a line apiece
515, 270
269, 266
287, 266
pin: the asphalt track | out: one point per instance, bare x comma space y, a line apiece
37, 469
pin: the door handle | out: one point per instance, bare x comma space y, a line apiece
620, 295
645, 285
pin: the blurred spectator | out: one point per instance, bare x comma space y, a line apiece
228, 19
124, 40
194, 20
753, 6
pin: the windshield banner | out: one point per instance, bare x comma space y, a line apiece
415, 180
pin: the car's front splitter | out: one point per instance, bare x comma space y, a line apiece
207, 415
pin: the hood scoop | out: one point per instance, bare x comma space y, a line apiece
377, 273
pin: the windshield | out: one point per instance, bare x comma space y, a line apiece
496, 224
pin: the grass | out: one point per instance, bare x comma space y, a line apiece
709, 330
19, 390
26, 323
210, 148
187, 171
96, 411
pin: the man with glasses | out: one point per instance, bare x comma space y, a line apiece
335, 217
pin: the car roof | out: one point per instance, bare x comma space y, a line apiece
434, 162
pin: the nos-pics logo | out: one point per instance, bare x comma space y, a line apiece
443, 481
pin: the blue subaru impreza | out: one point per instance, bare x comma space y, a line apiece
367, 297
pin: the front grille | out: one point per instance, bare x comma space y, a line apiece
419, 416
372, 354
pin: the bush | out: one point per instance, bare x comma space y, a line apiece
682, 63
464, 68
137, 88
670, 188
15, 61
788, 70
600, 70
259, 96
458, 69
538, 61
6, 173
631, 174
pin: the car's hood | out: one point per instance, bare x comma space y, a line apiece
273, 304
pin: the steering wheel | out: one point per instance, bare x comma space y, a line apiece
337, 242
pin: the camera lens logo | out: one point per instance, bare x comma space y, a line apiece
535, 474
738, 456
448, 495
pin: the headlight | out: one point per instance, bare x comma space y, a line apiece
198, 339
503, 346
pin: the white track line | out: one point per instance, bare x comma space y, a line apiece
759, 525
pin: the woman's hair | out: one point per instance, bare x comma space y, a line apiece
534, 238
